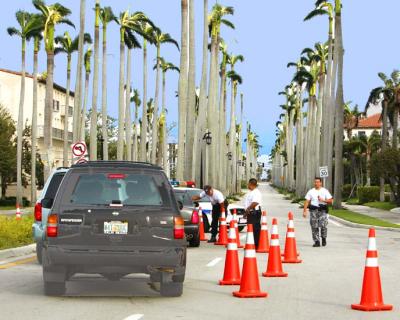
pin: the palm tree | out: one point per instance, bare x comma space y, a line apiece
29, 24
53, 14
160, 38
87, 64
351, 118
136, 100
371, 145
125, 21
106, 16
199, 148
68, 46
76, 120
216, 18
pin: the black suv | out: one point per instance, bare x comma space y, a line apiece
115, 218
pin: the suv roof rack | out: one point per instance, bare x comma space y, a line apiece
101, 163
60, 168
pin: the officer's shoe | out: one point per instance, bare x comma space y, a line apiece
316, 244
213, 239
323, 242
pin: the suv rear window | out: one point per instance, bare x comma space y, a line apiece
52, 189
125, 189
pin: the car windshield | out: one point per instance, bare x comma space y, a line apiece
120, 189
185, 196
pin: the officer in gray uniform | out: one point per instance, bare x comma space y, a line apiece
317, 201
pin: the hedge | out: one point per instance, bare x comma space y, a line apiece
10, 201
368, 194
346, 190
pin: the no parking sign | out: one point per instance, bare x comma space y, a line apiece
79, 151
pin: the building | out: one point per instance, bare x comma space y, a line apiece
366, 126
10, 84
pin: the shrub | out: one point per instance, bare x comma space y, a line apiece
10, 201
15, 233
368, 194
243, 184
346, 190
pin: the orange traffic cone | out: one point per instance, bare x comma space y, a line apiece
223, 232
232, 270
18, 213
201, 226
263, 243
250, 284
371, 295
239, 245
274, 268
290, 255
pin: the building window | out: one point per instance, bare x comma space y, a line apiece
70, 111
361, 134
56, 105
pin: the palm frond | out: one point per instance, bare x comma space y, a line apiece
316, 13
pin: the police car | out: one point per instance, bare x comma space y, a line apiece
206, 207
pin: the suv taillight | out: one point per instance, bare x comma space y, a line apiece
38, 212
179, 228
195, 217
52, 225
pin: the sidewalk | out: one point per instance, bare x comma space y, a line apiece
375, 213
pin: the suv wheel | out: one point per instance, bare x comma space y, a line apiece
195, 241
171, 289
54, 288
39, 249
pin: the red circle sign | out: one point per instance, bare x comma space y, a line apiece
79, 149
83, 160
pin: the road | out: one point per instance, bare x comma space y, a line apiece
322, 287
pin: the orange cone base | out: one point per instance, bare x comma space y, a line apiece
274, 274
372, 307
262, 251
229, 282
220, 243
257, 294
292, 261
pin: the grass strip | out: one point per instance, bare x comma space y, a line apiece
361, 218
15, 233
381, 205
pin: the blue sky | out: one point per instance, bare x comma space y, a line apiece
268, 33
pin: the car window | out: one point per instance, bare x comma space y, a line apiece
125, 189
52, 189
197, 193
183, 197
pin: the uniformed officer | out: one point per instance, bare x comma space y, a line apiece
252, 204
317, 201
218, 202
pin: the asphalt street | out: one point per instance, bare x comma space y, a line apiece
322, 287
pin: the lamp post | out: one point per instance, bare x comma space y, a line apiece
208, 137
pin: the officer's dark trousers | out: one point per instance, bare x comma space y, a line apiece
254, 218
216, 212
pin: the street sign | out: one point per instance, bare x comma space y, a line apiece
79, 149
323, 172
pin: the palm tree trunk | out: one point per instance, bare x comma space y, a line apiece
155, 117
143, 131
384, 145
232, 138
368, 172
320, 111
66, 108
104, 132
34, 121
95, 92
135, 138
339, 119
78, 83
128, 116
165, 135
395, 128
48, 117
20, 125
199, 146
191, 96
84, 110
120, 144
221, 133
183, 88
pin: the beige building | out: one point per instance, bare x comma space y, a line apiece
10, 84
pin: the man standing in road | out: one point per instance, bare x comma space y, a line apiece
252, 204
218, 202
317, 200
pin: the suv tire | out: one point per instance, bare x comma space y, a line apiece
54, 288
39, 250
171, 289
195, 242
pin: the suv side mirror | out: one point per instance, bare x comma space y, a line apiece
180, 205
47, 203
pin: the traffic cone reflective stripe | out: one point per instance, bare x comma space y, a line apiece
223, 231
274, 267
239, 245
232, 269
290, 254
18, 213
201, 227
263, 243
250, 284
371, 294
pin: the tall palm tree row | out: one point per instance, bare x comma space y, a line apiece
88, 69
136, 100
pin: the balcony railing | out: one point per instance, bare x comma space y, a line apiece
58, 134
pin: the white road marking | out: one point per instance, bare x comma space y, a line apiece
212, 263
135, 317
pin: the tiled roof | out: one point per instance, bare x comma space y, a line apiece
372, 122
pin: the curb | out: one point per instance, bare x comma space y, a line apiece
17, 252
361, 226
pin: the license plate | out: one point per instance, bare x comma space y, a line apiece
115, 227
242, 220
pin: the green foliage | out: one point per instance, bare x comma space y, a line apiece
346, 190
381, 205
15, 233
243, 184
10, 202
368, 194
361, 218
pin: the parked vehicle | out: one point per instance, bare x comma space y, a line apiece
115, 218
43, 206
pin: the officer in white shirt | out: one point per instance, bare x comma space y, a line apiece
317, 201
252, 204
218, 202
